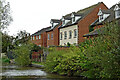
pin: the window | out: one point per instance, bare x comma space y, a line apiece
36, 37
75, 33
48, 37
65, 35
101, 17
33, 37
63, 22
52, 36
70, 34
73, 19
39, 36
52, 25
61, 36
117, 14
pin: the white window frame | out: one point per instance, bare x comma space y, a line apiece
33, 38
70, 34
65, 35
75, 33
48, 37
52, 36
39, 36
60, 35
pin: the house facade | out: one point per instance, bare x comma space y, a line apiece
53, 33
105, 16
69, 35
77, 24
40, 37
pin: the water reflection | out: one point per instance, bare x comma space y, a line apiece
12, 72
23, 73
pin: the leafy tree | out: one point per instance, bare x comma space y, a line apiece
22, 38
6, 42
98, 57
22, 54
5, 14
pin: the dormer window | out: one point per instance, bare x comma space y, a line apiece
63, 22
101, 17
73, 19
52, 25
100, 14
117, 11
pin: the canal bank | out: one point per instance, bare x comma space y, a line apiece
13, 72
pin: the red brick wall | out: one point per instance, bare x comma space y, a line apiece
98, 26
42, 41
37, 41
50, 41
55, 40
84, 24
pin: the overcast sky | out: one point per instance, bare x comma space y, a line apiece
33, 15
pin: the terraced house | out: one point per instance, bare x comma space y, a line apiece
105, 16
76, 24
53, 33
40, 37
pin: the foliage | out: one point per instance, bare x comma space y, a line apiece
6, 42
91, 28
104, 54
36, 48
5, 59
22, 54
68, 44
5, 14
22, 37
97, 57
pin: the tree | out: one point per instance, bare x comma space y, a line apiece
6, 42
22, 54
5, 14
22, 38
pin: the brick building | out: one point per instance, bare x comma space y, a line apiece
53, 33
105, 16
76, 24
40, 37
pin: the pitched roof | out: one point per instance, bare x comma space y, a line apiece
57, 21
81, 13
98, 31
95, 32
106, 11
112, 14
40, 31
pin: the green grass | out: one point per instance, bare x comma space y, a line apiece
38, 63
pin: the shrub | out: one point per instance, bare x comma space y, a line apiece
22, 54
98, 57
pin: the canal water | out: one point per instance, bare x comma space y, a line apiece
13, 72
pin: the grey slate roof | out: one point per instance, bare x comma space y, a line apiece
40, 31
95, 32
54, 21
81, 13
109, 19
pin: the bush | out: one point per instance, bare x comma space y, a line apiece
22, 54
98, 57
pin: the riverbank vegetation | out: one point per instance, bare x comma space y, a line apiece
98, 57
